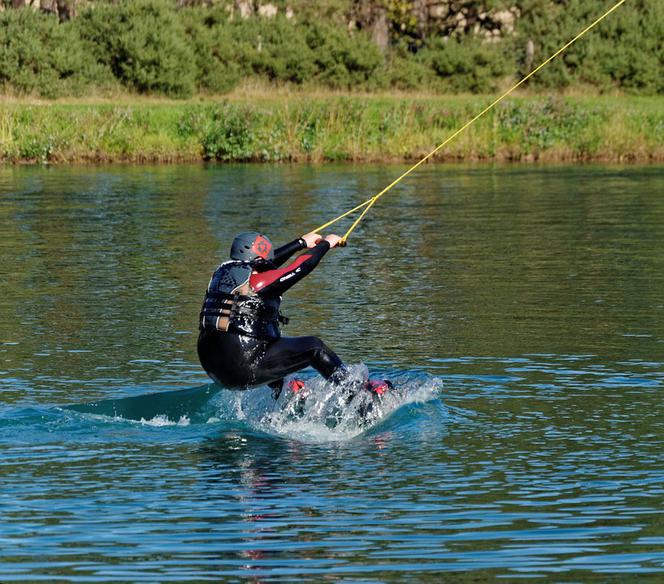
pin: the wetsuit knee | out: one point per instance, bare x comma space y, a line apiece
326, 361
340, 375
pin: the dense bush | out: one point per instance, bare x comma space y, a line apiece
465, 64
151, 46
144, 43
624, 52
229, 133
343, 60
216, 55
38, 55
538, 125
278, 49
273, 49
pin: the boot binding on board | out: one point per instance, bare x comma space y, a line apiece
378, 387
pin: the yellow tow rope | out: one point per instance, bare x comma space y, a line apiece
370, 202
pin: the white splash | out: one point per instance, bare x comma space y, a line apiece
162, 420
323, 412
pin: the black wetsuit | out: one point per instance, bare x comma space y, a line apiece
240, 343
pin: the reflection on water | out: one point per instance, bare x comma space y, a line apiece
533, 294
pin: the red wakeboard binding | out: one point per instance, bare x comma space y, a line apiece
296, 385
298, 395
378, 387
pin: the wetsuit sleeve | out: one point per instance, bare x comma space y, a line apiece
281, 254
276, 282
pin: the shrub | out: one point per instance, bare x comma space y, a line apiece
215, 53
404, 71
465, 65
144, 43
625, 50
152, 47
274, 49
343, 60
280, 50
539, 124
38, 55
228, 133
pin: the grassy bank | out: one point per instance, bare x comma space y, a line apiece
333, 128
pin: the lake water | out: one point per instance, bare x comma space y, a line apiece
520, 310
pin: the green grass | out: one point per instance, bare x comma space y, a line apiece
319, 128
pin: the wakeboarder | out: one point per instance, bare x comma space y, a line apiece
240, 343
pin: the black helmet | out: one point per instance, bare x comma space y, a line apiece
251, 246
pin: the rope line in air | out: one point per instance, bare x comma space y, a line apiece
372, 200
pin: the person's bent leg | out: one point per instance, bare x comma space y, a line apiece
290, 354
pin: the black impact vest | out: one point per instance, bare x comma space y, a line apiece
243, 314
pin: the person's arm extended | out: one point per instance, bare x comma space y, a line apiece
281, 254
276, 282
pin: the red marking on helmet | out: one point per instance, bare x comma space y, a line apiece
261, 246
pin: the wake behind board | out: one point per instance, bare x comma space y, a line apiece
172, 405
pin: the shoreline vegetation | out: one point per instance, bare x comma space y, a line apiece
332, 80
319, 127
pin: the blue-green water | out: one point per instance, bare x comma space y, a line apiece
520, 309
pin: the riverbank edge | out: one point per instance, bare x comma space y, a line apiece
318, 129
